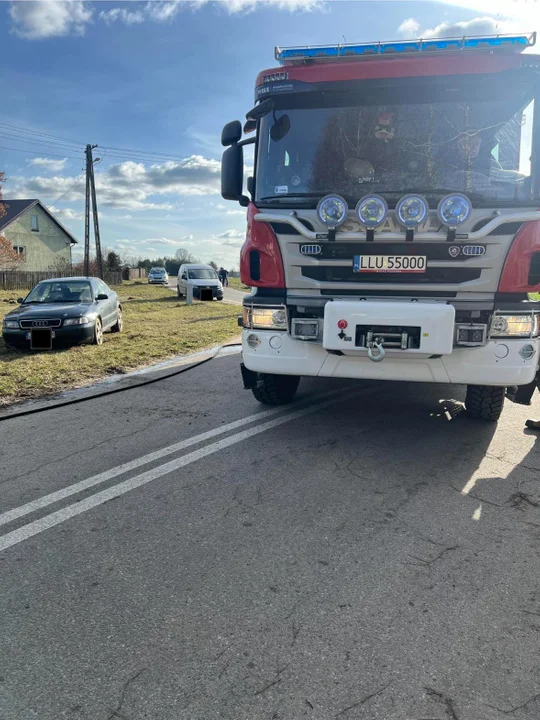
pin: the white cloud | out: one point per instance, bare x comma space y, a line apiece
236, 212
49, 163
39, 19
67, 213
409, 28
477, 26
131, 185
180, 242
231, 238
228, 234
128, 17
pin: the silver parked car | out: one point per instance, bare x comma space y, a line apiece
158, 276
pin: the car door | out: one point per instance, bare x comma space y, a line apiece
109, 305
183, 281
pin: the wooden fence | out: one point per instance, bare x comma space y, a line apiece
20, 280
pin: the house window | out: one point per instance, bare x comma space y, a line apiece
35, 223
20, 251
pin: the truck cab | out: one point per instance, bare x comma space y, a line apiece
393, 229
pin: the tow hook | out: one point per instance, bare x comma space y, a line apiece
376, 351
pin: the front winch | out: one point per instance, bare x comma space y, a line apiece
375, 350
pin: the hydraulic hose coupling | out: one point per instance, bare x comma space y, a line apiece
376, 351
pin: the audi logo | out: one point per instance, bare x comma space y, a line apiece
39, 323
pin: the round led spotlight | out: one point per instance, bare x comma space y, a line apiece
332, 210
411, 211
372, 211
454, 210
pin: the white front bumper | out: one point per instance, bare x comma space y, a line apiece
497, 363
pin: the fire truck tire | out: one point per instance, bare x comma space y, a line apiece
275, 389
484, 402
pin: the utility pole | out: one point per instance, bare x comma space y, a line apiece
91, 194
87, 213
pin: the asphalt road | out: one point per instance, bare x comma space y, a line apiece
368, 552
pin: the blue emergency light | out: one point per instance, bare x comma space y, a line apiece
516, 43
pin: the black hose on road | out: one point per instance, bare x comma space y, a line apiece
113, 391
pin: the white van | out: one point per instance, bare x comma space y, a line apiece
200, 277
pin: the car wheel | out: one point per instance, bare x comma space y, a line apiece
98, 333
178, 292
119, 324
219, 298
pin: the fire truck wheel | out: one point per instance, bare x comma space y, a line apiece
484, 402
275, 389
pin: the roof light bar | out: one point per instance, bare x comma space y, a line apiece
516, 43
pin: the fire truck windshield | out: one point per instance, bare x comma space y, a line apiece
473, 141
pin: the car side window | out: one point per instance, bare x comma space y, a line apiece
103, 289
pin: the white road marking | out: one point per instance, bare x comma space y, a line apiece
102, 477
477, 513
48, 521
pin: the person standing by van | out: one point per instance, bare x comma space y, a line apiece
223, 277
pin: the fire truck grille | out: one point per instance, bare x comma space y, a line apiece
445, 276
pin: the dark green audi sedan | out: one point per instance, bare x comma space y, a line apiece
62, 312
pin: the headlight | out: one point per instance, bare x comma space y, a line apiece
371, 211
332, 210
77, 321
11, 324
454, 210
513, 326
265, 318
412, 210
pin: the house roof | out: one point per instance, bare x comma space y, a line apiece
15, 208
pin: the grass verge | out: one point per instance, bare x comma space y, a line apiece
236, 284
157, 326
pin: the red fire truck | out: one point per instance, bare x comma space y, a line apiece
393, 223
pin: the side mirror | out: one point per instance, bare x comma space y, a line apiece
280, 128
232, 175
251, 185
20, 300
231, 133
260, 110
102, 296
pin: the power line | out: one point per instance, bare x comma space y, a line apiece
128, 151
33, 152
34, 132
47, 143
59, 143
67, 191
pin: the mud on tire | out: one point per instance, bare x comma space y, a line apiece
484, 402
275, 389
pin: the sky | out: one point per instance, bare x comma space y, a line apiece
153, 83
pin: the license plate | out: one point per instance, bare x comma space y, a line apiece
390, 263
41, 339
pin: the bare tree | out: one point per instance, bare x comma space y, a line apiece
3, 210
9, 258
